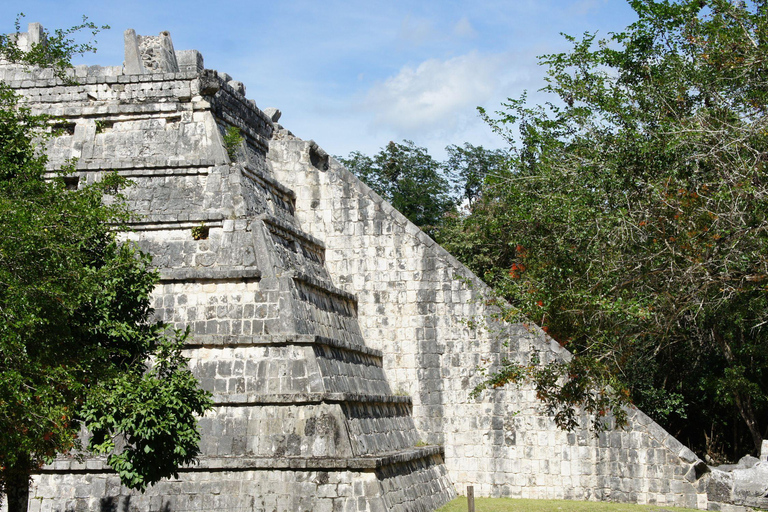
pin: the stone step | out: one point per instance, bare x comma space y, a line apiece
298, 250
351, 371
293, 234
149, 167
232, 107
241, 365
249, 399
207, 340
21, 76
99, 465
311, 281
379, 427
286, 197
186, 274
324, 310
207, 240
303, 425
84, 106
166, 221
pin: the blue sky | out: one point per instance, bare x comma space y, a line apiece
355, 75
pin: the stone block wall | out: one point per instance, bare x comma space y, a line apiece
228, 490
430, 317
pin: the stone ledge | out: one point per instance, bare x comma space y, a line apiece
323, 286
244, 103
248, 133
166, 220
226, 99
72, 109
207, 274
343, 345
280, 224
194, 169
269, 179
168, 225
191, 168
252, 173
33, 83
366, 462
139, 166
265, 463
248, 399
229, 341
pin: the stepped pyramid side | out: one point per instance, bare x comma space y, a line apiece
304, 416
433, 321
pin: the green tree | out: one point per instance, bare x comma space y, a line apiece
75, 319
409, 179
469, 165
631, 222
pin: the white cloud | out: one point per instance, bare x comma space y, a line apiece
438, 94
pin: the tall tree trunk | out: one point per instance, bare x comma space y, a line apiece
743, 403
747, 413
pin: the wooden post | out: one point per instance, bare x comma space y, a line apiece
471, 498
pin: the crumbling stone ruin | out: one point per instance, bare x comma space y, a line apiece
339, 341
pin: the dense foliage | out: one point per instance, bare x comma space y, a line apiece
76, 334
631, 222
468, 166
409, 179
428, 192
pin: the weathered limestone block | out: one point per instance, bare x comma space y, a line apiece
190, 60
266, 490
157, 54
273, 113
133, 63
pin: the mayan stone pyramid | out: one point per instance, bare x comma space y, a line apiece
339, 341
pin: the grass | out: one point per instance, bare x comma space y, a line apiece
519, 505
